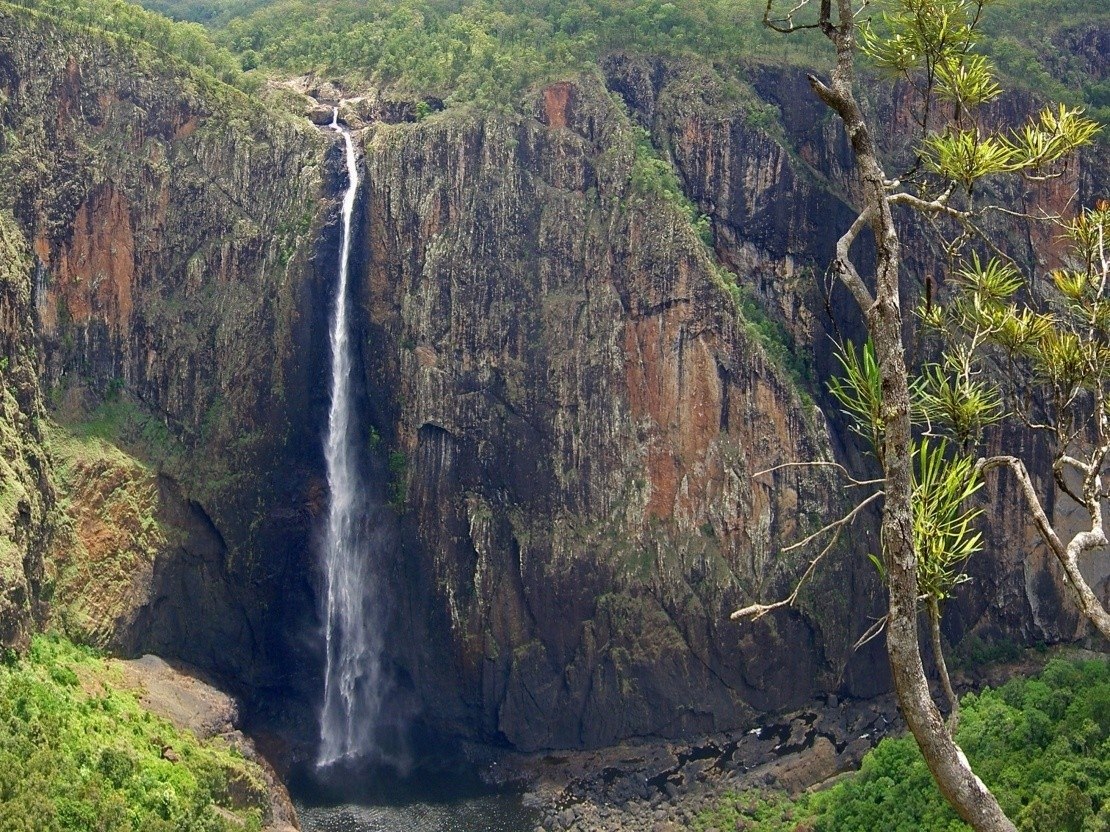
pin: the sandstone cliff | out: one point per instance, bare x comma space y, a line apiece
27, 495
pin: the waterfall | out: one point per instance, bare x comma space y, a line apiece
352, 681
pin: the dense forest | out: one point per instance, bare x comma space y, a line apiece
486, 52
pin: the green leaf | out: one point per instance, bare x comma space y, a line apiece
859, 391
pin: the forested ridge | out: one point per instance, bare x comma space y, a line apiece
133, 27
487, 51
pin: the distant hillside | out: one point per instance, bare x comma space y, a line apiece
142, 31
488, 50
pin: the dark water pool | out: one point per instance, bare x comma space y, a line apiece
368, 801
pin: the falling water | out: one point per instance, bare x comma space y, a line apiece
352, 688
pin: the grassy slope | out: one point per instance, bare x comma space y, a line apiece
1042, 745
77, 751
109, 537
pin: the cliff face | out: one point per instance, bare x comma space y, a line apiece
582, 411
27, 495
568, 409
159, 218
780, 218
779, 201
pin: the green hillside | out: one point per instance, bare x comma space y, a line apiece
1042, 745
78, 752
487, 50
139, 30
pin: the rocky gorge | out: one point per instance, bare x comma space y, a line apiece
588, 333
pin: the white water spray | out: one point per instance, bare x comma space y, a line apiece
352, 682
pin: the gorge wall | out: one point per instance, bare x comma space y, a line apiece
161, 302
564, 403
581, 412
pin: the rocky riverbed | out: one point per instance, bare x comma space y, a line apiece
661, 787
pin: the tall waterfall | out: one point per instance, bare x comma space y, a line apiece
352, 684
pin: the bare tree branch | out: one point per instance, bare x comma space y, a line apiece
817, 464
870, 633
846, 269
932, 607
757, 611
1066, 554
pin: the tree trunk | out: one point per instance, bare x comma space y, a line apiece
967, 794
933, 609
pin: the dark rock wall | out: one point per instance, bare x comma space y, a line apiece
779, 199
581, 411
581, 414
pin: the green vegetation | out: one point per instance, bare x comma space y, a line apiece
486, 51
398, 479
122, 421
186, 44
1042, 745
975, 652
482, 51
109, 532
653, 176
777, 343
1016, 34
77, 752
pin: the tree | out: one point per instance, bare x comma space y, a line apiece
1055, 346
930, 44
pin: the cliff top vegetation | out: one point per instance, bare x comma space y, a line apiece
486, 51
179, 44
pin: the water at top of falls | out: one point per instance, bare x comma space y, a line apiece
352, 680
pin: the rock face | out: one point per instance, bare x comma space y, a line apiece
27, 495
179, 694
577, 413
163, 299
779, 205
582, 413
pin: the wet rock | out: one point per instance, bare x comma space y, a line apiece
320, 114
